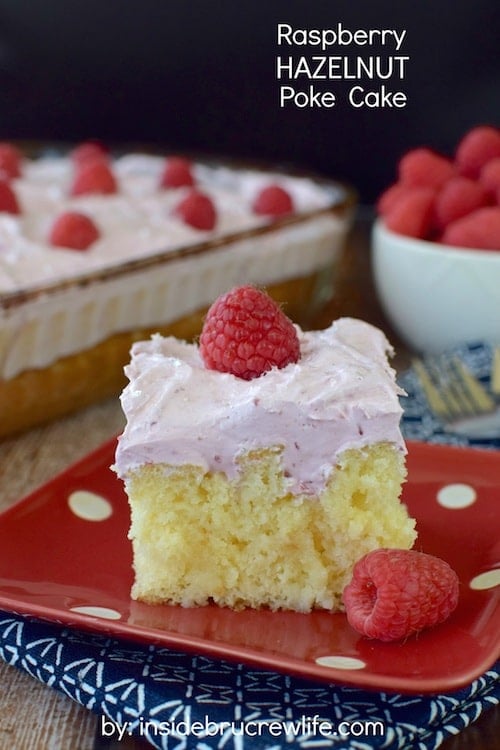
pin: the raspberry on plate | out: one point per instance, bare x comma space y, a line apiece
412, 213
10, 161
197, 210
246, 333
177, 172
458, 197
422, 167
479, 230
273, 200
73, 230
394, 593
8, 199
94, 176
477, 147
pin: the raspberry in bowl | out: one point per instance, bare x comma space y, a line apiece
436, 245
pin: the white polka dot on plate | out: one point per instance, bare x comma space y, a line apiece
89, 506
487, 580
340, 662
456, 496
105, 612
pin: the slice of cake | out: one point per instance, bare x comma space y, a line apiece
263, 484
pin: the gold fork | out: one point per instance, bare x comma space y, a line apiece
458, 398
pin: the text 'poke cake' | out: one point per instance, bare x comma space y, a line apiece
263, 462
98, 250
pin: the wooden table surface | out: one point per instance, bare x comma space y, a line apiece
36, 717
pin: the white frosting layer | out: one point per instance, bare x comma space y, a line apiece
341, 394
137, 225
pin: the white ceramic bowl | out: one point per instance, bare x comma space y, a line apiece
434, 295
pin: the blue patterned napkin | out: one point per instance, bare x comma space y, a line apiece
178, 700
175, 700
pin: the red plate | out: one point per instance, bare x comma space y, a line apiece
55, 563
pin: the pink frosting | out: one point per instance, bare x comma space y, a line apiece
341, 394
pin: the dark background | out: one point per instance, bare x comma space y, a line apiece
201, 76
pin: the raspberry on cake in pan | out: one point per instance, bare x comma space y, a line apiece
263, 463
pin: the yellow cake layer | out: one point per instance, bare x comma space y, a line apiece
199, 538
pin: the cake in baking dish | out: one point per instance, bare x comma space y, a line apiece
261, 490
100, 250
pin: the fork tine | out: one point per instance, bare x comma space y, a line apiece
433, 395
449, 385
480, 400
495, 372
